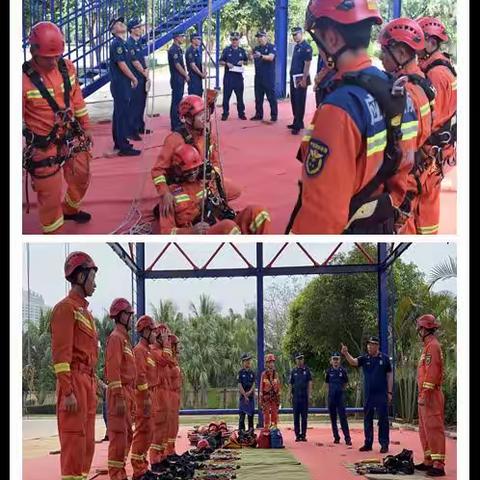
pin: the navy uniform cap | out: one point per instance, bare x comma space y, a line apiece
193, 36
246, 356
178, 34
134, 22
373, 339
113, 21
261, 33
234, 35
298, 356
335, 355
297, 30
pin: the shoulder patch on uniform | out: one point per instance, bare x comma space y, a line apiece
119, 50
175, 55
428, 359
132, 51
316, 156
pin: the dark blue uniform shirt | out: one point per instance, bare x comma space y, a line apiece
375, 371
135, 49
336, 378
302, 53
119, 52
264, 69
233, 56
246, 378
193, 55
175, 55
299, 378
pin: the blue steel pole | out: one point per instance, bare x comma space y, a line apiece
217, 50
397, 8
382, 299
281, 38
140, 279
260, 324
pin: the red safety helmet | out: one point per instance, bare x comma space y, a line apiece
47, 40
190, 105
120, 305
173, 339
402, 30
213, 426
344, 11
78, 260
433, 27
186, 157
162, 328
270, 358
145, 322
202, 444
427, 321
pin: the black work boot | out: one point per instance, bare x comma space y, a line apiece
337, 440
384, 449
79, 217
224, 117
423, 467
365, 448
435, 472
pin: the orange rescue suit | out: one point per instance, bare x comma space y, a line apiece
188, 207
431, 404
40, 119
146, 378
175, 397
120, 373
270, 393
74, 354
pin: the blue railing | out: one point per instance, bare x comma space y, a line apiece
85, 26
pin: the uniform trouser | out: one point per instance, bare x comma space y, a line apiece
120, 432
77, 430
425, 213
336, 404
142, 439
270, 414
177, 95
263, 88
432, 430
51, 209
138, 101
233, 82
298, 98
160, 417
241, 421
300, 415
195, 86
380, 404
121, 120
252, 220
105, 410
173, 421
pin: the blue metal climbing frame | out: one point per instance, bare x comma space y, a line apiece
386, 256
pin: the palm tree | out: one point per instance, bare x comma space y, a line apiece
167, 313
207, 307
443, 271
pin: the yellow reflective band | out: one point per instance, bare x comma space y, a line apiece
127, 351
159, 179
174, 231
151, 362
409, 130
424, 109
72, 80
235, 231
81, 113
306, 138
432, 103
134, 456
200, 194
437, 456
182, 198
427, 230
259, 220
73, 477
78, 316
114, 463
168, 351
70, 202
142, 387
454, 85
37, 94
61, 367
428, 452
53, 226
154, 446
376, 143
429, 386
116, 384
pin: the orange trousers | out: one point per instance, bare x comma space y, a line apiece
77, 430
120, 433
51, 207
159, 413
425, 218
173, 421
142, 439
252, 220
431, 419
270, 414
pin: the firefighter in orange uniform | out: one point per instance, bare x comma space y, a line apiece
146, 378
441, 145
120, 373
56, 130
162, 354
431, 403
355, 159
74, 354
175, 396
401, 40
218, 218
192, 114
269, 395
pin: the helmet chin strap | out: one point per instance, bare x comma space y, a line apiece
82, 285
397, 63
332, 58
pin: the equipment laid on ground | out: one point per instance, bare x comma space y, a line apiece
401, 464
276, 439
264, 439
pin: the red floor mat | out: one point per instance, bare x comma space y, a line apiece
258, 156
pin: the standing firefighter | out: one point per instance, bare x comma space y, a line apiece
175, 396
246, 387
441, 146
120, 373
74, 354
269, 395
431, 403
146, 376
56, 130
354, 177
